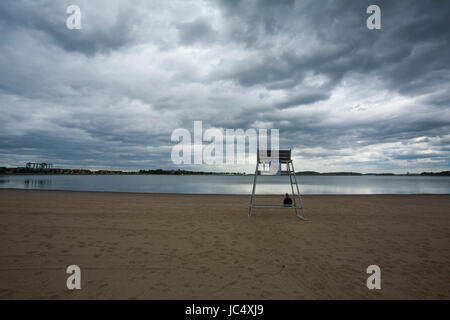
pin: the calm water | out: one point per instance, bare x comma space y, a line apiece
232, 184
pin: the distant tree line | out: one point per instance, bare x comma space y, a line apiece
22, 170
183, 172
442, 173
314, 173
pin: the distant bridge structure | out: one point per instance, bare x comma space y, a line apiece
39, 166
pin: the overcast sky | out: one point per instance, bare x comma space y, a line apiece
344, 98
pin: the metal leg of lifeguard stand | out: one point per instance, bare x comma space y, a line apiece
299, 196
292, 188
253, 191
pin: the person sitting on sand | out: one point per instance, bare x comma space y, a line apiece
287, 202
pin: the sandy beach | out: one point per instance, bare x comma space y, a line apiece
166, 246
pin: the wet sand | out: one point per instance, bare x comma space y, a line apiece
166, 246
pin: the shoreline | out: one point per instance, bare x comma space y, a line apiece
239, 194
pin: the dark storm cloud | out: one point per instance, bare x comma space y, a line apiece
111, 93
302, 99
48, 19
407, 64
195, 31
414, 42
419, 156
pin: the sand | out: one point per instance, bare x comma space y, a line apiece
162, 246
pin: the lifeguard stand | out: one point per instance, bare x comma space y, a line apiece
278, 158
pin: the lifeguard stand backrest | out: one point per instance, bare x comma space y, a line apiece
266, 155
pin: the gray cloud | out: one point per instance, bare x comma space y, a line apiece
47, 19
302, 99
195, 31
110, 94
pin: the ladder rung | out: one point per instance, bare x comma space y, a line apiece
267, 173
273, 206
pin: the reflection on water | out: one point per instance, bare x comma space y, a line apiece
37, 183
219, 184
